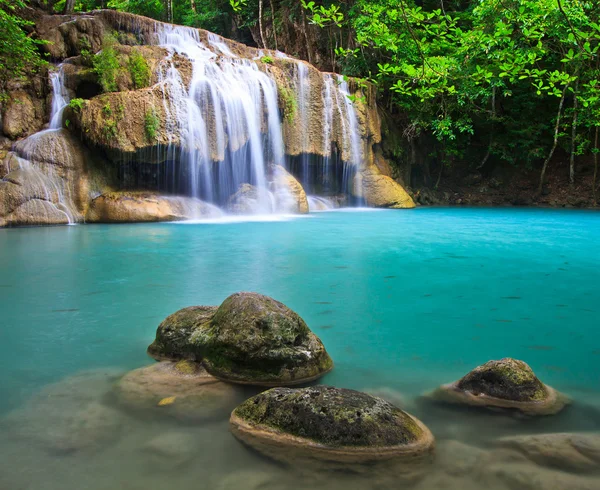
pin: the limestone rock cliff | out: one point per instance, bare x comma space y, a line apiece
184, 117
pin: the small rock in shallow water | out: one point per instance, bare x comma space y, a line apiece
577, 452
507, 384
183, 390
171, 449
68, 416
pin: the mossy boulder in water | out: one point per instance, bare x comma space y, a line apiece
507, 383
173, 334
331, 424
253, 339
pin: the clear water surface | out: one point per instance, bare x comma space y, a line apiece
403, 300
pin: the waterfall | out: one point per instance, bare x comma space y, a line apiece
60, 97
227, 116
318, 203
303, 90
37, 156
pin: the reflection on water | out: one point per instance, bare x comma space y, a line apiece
403, 301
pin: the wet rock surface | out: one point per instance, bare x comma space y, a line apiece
331, 416
506, 383
125, 207
173, 334
254, 339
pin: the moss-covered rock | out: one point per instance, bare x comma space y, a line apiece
253, 339
329, 423
507, 383
192, 393
173, 334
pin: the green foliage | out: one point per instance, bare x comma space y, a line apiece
151, 124
109, 130
85, 48
77, 104
267, 59
106, 65
237, 5
139, 70
107, 110
18, 52
149, 8
324, 16
477, 77
289, 103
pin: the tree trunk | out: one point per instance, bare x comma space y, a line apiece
69, 6
573, 136
169, 10
556, 128
305, 35
487, 155
594, 188
260, 24
193, 5
273, 24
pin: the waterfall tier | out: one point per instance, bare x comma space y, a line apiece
247, 130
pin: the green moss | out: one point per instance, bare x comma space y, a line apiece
151, 124
107, 110
288, 102
267, 59
77, 104
507, 378
186, 367
331, 416
173, 334
139, 70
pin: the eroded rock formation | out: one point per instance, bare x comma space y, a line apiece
214, 115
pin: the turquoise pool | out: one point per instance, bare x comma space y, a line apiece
403, 300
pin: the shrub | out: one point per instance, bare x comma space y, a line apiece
152, 124
267, 59
76, 104
106, 65
139, 70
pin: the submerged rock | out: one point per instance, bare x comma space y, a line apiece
507, 383
173, 334
193, 393
330, 424
530, 477
253, 339
577, 452
289, 193
68, 416
171, 450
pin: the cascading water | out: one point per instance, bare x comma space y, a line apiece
226, 131
60, 97
36, 156
303, 90
220, 118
